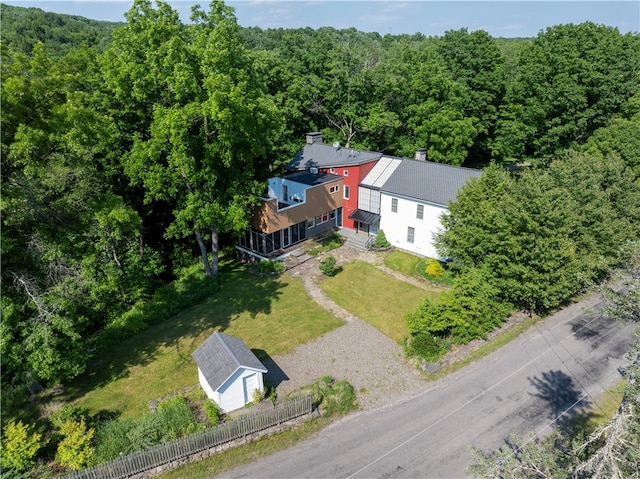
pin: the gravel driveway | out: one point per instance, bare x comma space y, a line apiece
373, 363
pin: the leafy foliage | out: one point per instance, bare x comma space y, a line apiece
381, 240
75, 448
335, 397
214, 412
328, 266
20, 444
425, 346
469, 310
434, 268
267, 266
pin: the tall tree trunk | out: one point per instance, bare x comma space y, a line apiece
214, 249
203, 252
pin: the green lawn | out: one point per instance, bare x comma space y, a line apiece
402, 261
375, 297
271, 314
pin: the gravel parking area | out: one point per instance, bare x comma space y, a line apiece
373, 363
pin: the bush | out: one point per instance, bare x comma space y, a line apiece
19, 446
75, 448
425, 346
267, 266
328, 266
469, 310
213, 411
69, 412
331, 241
434, 268
176, 419
336, 397
381, 240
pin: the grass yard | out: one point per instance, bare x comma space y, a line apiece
271, 314
402, 261
375, 297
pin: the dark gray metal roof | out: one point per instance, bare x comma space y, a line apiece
428, 181
220, 356
365, 217
320, 155
312, 179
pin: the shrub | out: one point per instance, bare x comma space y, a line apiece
69, 412
332, 241
175, 419
328, 266
19, 446
75, 448
426, 346
267, 266
213, 411
336, 397
434, 268
381, 240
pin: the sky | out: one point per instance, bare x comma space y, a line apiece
510, 18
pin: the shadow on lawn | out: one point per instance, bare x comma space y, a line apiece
236, 292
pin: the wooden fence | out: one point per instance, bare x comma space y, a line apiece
156, 456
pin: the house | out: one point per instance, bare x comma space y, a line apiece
335, 187
228, 371
349, 163
296, 207
413, 198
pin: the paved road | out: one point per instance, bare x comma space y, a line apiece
563, 363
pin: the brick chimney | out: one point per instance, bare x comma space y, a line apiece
421, 154
314, 137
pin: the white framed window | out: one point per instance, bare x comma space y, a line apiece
394, 205
332, 170
420, 212
311, 222
411, 232
346, 192
332, 214
345, 172
333, 189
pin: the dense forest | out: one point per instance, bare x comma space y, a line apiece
131, 153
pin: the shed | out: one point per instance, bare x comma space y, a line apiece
228, 371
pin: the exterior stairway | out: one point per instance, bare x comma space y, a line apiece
360, 242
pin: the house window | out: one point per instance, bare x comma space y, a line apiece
345, 172
394, 205
332, 215
311, 222
420, 212
410, 234
333, 189
346, 192
285, 192
333, 170
323, 218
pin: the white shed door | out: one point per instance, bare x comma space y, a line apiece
250, 385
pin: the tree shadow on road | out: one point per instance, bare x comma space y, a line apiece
560, 393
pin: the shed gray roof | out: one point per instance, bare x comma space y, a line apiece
220, 356
320, 155
428, 181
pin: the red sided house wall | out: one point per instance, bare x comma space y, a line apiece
352, 175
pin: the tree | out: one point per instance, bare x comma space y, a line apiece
209, 132
19, 446
570, 81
